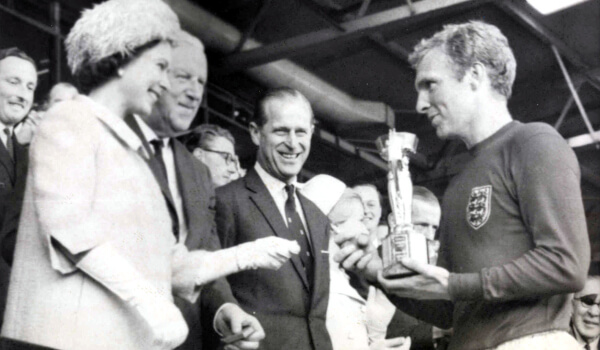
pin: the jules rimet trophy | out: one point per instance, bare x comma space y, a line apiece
402, 241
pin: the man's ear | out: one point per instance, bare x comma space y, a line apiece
477, 75
198, 153
255, 133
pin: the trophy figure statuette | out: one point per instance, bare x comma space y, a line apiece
402, 241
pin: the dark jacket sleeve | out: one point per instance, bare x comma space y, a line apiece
403, 325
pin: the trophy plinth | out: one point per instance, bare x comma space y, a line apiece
402, 240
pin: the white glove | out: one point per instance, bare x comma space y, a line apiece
399, 343
107, 266
380, 312
267, 253
166, 323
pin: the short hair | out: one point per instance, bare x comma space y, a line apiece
260, 109
201, 136
16, 52
183, 38
469, 43
423, 194
588, 279
366, 184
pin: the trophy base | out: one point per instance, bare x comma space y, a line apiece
397, 271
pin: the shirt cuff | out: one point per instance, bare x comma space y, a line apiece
465, 286
217, 316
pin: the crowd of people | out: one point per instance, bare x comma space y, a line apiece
121, 228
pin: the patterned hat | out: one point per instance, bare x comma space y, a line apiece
118, 26
323, 190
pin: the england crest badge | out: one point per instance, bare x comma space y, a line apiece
479, 207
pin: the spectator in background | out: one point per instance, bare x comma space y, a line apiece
61, 92
426, 215
25, 130
372, 200
353, 323
585, 321
215, 147
18, 80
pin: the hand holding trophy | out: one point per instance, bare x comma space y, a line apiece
402, 241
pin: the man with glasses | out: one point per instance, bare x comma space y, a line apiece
215, 147
585, 322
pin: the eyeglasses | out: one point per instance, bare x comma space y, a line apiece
229, 158
589, 300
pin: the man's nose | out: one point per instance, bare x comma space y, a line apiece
594, 310
194, 92
422, 103
164, 83
292, 140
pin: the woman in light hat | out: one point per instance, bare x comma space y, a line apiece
93, 259
353, 323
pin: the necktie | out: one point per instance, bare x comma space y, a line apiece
297, 229
587, 346
158, 145
9, 143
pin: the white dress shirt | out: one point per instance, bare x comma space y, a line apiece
276, 188
169, 160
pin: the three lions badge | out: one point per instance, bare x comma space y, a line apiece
479, 207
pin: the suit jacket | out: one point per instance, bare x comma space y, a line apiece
88, 186
12, 188
292, 315
404, 325
198, 195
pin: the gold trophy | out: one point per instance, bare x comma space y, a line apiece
402, 241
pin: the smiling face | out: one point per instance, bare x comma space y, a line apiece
18, 80
178, 107
144, 79
370, 198
284, 139
586, 318
448, 102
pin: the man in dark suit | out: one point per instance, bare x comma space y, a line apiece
18, 80
186, 185
290, 303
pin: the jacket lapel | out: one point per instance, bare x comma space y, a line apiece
261, 197
188, 187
